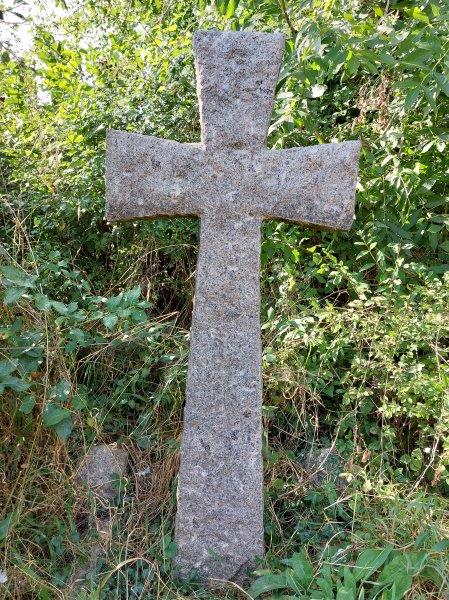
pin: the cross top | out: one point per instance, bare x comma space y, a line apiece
232, 170
236, 77
231, 181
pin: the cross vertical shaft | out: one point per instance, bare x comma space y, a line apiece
220, 521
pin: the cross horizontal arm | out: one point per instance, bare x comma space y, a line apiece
148, 177
313, 185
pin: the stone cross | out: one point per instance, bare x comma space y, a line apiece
231, 181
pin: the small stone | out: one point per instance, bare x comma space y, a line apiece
3, 577
83, 574
100, 468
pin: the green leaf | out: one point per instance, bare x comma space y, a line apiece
15, 384
7, 367
418, 15
442, 82
423, 537
64, 428
432, 574
370, 561
18, 277
54, 414
139, 316
433, 240
431, 94
5, 526
110, 321
301, 567
231, 8
441, 546
80, 399
113, 302
400, 586
134, 294
267, 583
326, 585
42, 302
349, 580
399, 574
13, 294
169, 547
61, 391
387, 59
345, 594
221, 6
410, 99
435, 10
72, 307
27, 405
59, 307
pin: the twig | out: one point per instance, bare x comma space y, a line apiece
284, 12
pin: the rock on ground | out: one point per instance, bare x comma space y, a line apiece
98, 472
99, 469
82, 574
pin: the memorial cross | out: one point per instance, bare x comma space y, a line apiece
231, 181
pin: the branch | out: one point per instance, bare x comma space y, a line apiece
284, 12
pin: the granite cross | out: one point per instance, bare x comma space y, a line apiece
231, 181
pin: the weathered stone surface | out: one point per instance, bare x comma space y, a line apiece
219, 528
99, 469
313, 186
82, 574
232, 182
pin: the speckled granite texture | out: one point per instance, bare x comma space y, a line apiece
232, 182
99, 469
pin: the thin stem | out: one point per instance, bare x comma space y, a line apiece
284, 12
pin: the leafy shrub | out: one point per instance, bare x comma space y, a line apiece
376, 573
